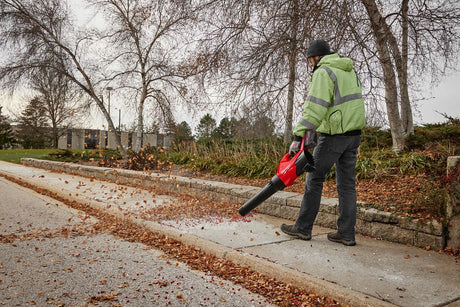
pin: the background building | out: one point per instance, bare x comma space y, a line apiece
95, 139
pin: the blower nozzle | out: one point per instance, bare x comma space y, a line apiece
288, 170
271, 188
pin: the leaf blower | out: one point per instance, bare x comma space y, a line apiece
289, 169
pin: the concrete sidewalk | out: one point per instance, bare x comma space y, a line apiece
372, 273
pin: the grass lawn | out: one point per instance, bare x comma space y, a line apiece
15, 155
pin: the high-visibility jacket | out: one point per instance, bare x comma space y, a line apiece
334, 104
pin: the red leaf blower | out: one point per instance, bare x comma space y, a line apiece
289, 169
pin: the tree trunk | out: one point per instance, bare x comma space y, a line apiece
400, 59
292, 72
290, 104
140, 127
55, 135
140, 120
406, 110
391, 95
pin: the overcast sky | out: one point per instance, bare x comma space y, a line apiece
445, 99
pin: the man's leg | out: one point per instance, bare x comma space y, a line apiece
324, 158
346, 188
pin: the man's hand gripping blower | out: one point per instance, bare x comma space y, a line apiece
289, 169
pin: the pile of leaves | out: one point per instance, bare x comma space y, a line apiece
146, 159
191, 207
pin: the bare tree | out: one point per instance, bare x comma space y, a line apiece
149, 41
396, 44
58, 100
260, 49
37, 31
386, 44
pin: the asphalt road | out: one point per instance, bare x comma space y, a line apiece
51, 254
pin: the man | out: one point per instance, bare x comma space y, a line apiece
335, 109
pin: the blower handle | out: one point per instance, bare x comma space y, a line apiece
302, 148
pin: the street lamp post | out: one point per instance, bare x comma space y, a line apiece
119, 121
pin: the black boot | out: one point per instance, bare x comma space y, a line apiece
292, 231
335, 237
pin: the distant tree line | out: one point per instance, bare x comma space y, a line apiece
228, 128
7, 139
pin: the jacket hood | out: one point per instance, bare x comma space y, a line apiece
335, 61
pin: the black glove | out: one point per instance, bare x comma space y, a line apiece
309, 143
295, 145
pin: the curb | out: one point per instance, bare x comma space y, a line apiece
370, 222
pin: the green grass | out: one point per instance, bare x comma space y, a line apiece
63, 155
15, 155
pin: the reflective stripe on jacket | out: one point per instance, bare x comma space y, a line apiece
334, 104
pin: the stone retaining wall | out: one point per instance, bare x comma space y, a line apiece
378, 224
